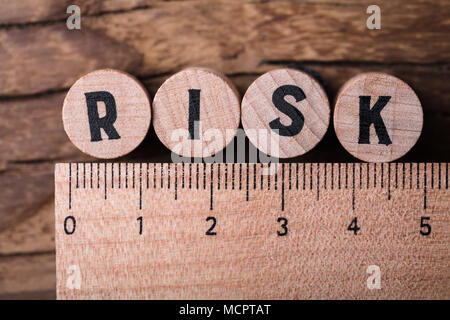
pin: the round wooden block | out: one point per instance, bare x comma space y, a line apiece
285, 113
196, 112
377, 117
106, 113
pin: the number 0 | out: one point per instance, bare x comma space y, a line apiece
74, 224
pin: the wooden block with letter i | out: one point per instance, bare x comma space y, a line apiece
377, 117
106, 113
196, 112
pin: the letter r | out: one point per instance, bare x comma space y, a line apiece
106, 122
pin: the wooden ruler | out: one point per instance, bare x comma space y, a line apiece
232, 231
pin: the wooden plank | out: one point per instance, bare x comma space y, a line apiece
25, 189
49, 58
26, 11
32, 234
169, 36
28, 277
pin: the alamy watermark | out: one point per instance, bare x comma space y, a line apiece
73, 22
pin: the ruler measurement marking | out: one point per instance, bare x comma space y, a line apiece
70, 186
147, 174
375, 175
254, 176
76, 186
403, 175
346, 175
296, 174
368, 175
310, 176
211, 203
425, 185
232, 176
332, 176
112, 175
261, 176
126, 175
396, 175
353, 187
176, 182
282, 187
182, 175
218, 176
410, 175
240, 176
290, 175
435, 169
168, 175
120, 165
105, 184
339, 176
446, 176
98, 175
418, 173
439, 182
161, 169
432, 176
360, 175
389, 181
247, 185
318, 182
226, 176
140, 186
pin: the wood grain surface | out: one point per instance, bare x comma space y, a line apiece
152, 39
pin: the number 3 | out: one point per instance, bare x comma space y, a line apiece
283, 225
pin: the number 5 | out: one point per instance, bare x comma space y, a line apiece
425, 226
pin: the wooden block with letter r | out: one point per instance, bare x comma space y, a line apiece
106, 113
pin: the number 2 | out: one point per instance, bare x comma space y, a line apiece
210, 232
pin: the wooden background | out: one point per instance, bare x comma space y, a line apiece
40, 59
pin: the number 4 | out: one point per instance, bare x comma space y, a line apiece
354, 226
